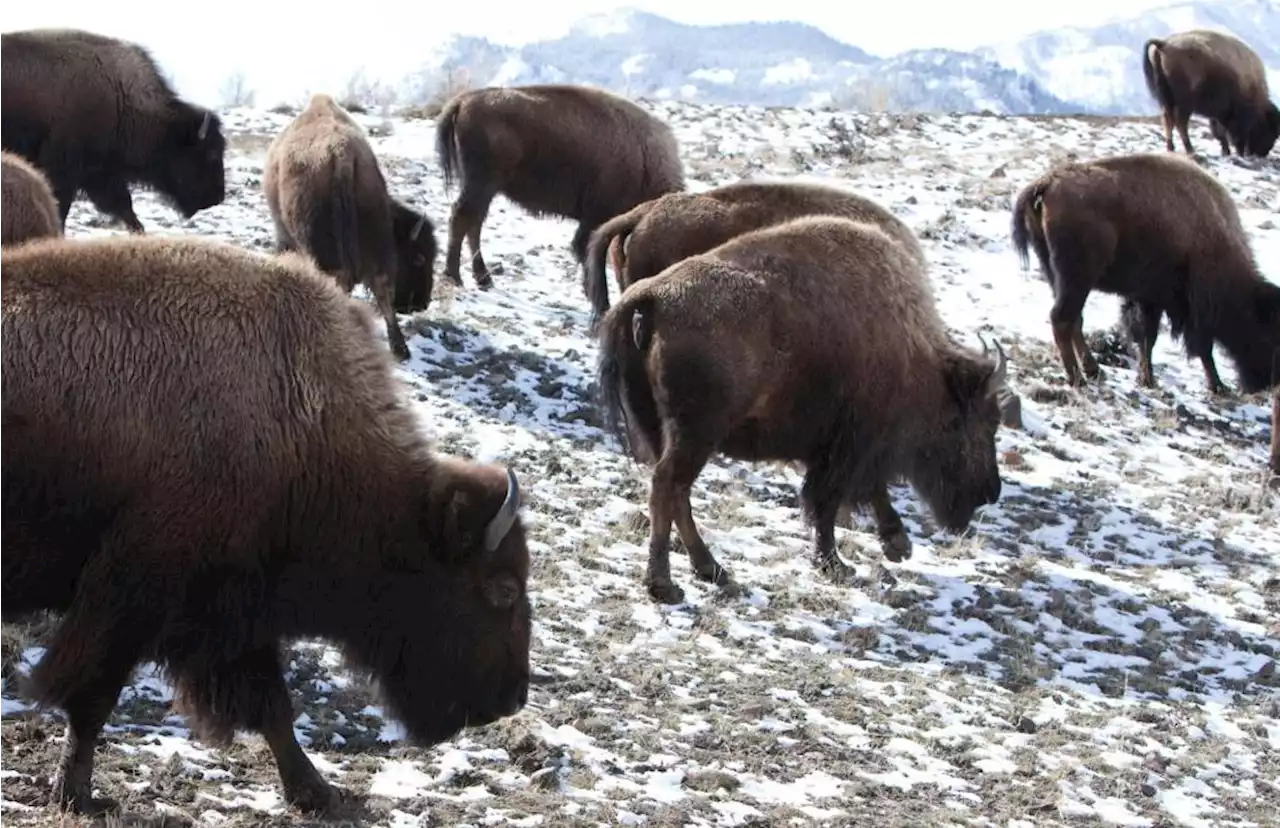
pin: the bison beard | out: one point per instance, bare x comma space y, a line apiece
225, 482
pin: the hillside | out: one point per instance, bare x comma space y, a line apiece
1075, 70
1099, 648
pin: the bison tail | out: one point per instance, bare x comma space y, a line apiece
446, 145
631, 412
595, 282
1025, 227
1153, 72
346, 223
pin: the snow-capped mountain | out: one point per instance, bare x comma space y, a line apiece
1097, 70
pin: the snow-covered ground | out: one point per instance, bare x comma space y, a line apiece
1100, 648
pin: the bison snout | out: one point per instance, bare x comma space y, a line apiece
992, 493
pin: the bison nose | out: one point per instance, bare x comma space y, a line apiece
993, 490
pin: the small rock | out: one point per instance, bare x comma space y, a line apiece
1148, 789
1000, 171
1027, 725
1267, 670
708, 781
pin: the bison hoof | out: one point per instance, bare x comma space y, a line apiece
314, 796
664, 591
81, 801
713, 573
896, 547
834, 569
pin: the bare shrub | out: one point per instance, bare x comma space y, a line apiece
430, 90
235, 91
361, 94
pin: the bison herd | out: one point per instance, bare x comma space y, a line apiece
206, 453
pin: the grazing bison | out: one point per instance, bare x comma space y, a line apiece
570, 151
328, 199
95, 114
1163, 234
27, 208
815, 341
1203, 72
236, 469
658, 233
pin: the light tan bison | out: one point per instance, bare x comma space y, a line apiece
27, 207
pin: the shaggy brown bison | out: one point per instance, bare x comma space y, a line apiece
27, 208
1163, 234
658, 233
1203, 72
328, 199
815, 341
95, 114
571, 151
236, 469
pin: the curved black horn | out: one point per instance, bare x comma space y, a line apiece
506, 517
204, 126
1000, 374
417, 228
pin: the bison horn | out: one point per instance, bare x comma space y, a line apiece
204, 126
506, 517
999, 375
417, 228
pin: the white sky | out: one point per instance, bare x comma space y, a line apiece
289, 49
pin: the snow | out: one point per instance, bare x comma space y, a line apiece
1095, 649
795, 70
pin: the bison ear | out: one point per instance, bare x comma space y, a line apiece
469, 509
967, 380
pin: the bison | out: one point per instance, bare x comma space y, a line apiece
1203, 72
815, 341
658, 233
27, 208
95, 114
237, 468
1275, 429
328, 199
1163, 234
562, 150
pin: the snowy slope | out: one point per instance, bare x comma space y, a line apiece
1099, 649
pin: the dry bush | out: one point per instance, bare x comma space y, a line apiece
235, 91
361, 94
433, 89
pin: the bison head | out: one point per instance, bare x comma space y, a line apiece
415, 259
1265, 132
956, 470
448, 642
189, 169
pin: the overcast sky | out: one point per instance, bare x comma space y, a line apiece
286, 52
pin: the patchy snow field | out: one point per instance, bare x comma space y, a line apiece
1099, 649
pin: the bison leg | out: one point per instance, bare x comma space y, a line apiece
669, 493
248, 691
894, 542
112, 197
581, 238
1182, 119
1166, 119
822, 501
704, 564
383, 287
1275, 430
469, 213
1200, 345
1073, 277
1142, 320
84, 668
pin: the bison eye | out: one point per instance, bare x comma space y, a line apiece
502, 591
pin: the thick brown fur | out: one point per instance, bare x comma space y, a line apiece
1165, 235
27, 207
95, 115
554, 150
328, 198
657, 234
815, 341
237, 468
1209, 73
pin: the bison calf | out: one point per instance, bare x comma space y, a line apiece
236, 468
1163, 234
95, 114
571, 151
816, 341
655, 235
27, 208
1203, 72
328, 198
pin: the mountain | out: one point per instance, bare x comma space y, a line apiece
1093, 70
